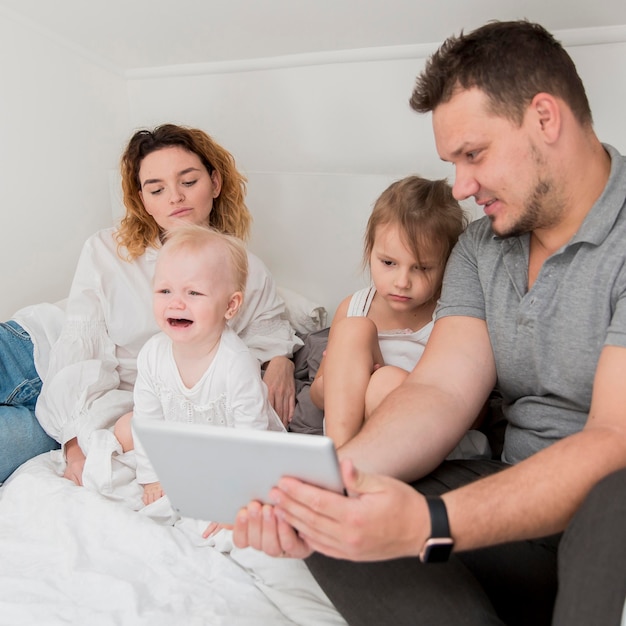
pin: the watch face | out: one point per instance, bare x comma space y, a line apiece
437, 550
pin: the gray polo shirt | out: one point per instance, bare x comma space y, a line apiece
546, 341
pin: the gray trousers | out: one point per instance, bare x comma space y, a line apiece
513, 584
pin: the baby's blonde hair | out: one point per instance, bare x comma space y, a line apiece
195, 237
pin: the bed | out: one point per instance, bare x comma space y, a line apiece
94, 555
71, 555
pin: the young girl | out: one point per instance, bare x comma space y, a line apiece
197, 369
379, 333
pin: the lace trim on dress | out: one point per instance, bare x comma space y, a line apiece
177, 408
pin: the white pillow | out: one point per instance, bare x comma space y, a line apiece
304, 315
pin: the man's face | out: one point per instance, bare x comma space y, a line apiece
497, 162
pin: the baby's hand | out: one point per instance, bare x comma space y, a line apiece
213, 528
152, 492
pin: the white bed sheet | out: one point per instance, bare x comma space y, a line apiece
71, 555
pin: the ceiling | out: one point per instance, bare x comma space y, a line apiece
132, 34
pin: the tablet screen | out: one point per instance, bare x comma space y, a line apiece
210, 472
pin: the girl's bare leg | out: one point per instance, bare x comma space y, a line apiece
351, 357
382, 382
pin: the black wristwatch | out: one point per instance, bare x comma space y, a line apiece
438, 546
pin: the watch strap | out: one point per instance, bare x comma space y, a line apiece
439, 525
439, 545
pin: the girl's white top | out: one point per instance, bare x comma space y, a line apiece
402, 347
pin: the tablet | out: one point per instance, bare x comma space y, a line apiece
210, 472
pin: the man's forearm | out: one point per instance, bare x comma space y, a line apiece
536, 497
406, 437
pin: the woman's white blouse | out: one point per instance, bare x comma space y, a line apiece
92, 367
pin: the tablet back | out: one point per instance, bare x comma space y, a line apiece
210, 472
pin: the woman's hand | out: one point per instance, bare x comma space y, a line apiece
75, 462
281, 387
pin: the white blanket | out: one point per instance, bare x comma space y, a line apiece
73, 555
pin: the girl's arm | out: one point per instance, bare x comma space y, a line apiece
317, 386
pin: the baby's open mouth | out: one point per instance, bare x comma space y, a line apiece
173, 321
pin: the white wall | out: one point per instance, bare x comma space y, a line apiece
62, 119
334, 118
318, 143
305, 125
341, 117
603, 70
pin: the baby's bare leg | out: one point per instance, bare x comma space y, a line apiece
351, 357
124, 433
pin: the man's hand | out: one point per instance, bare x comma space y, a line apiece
281, 387
382, 518
75, 462
256, 526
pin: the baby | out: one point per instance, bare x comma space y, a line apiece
197, 370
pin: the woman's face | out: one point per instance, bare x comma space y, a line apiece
175, 187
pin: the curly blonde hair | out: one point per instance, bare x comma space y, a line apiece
138, 230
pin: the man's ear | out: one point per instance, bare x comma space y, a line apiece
546, 111
234, 303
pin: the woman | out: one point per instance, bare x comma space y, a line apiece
170, 175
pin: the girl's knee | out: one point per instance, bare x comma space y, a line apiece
361, 329
382, 382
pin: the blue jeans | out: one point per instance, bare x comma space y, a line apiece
21, 436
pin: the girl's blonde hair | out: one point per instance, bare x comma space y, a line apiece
138, 229
196, 238
426, 213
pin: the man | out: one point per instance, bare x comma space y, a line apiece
534, 300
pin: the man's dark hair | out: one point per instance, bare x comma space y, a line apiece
511, 62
